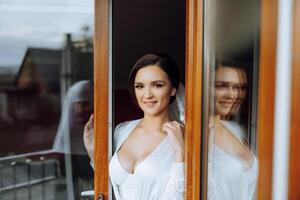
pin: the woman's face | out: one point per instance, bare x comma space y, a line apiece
82, 111
153, 90
227, 90
241, 91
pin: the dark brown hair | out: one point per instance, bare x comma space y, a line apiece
164, 62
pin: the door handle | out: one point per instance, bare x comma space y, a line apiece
101, 196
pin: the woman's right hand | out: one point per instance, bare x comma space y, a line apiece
88, 137
174, 132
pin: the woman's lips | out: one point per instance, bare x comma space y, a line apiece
226, 103
150, 103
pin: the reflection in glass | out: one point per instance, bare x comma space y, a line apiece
45, 47
77, 108
232, 166
230, 86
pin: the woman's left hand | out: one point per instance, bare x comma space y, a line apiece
88, 137
174, 132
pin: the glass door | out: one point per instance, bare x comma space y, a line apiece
230, 80
124, 33
241, 38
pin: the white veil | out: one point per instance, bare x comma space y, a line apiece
69, 137
176, 109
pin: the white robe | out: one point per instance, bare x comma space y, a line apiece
157, 177
227, 180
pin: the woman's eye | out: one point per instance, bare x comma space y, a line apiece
158, 85
236, 87
138, 86
243, 87
220, 86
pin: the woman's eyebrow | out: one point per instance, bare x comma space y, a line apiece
221, 82
227, 82
158, 81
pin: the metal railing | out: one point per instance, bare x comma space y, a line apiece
24, 173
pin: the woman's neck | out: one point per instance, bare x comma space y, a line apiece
154, 123
215, 120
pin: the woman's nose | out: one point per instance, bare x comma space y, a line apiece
230, 93
148, 92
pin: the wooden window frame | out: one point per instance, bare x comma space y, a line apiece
193, 78
266, 97
101, 98
194, 68
294, 164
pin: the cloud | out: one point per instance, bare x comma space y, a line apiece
46, 9
20, 29
50, 6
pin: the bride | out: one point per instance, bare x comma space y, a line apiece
232, 167
148, 159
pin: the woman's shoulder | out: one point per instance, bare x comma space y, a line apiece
123, 129
126, 124
235, 128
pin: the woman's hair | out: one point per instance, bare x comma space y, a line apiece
230, 63
241, 111
164, 62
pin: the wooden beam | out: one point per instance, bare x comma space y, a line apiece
266, 97
194, 39
294, 164
101, 67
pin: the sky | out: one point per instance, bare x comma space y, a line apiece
40, 24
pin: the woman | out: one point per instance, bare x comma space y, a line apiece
148, 159
232, 167
77, 107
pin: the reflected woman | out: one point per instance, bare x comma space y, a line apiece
77, 107
148, 155
232, 167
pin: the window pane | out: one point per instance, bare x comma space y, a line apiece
46, 97
147, 32
231, 69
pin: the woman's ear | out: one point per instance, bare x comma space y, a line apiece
173, 92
